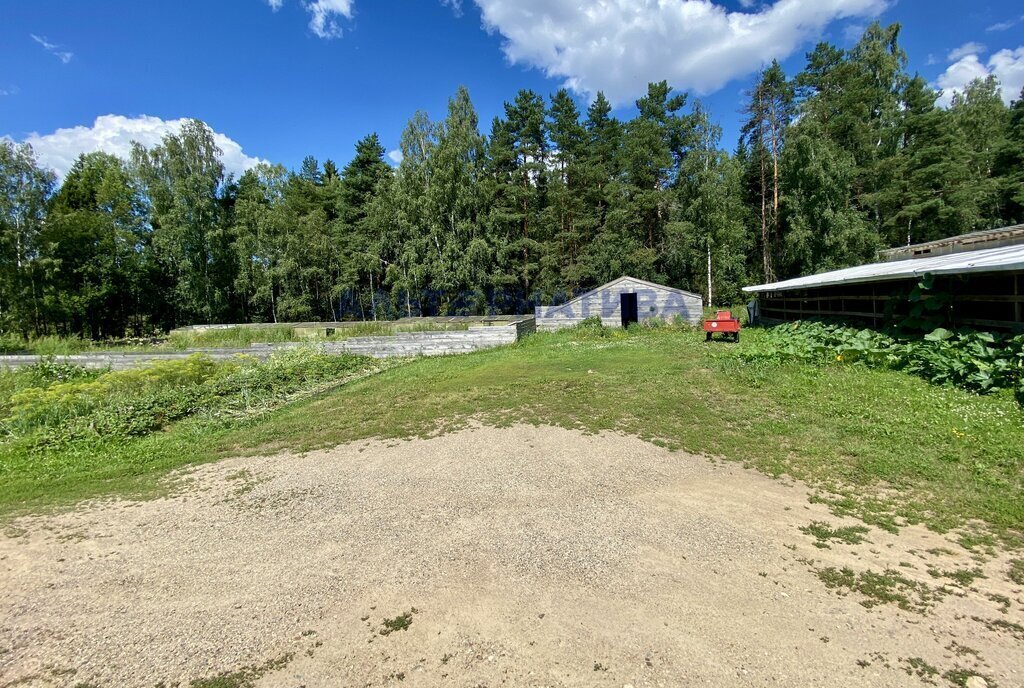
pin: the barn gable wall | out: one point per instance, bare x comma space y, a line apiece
653, 301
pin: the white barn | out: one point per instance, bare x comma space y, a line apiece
623, 301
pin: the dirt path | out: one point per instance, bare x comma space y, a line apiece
522, 556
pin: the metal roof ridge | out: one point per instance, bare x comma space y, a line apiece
1006, 258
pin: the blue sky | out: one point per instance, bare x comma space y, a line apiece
280, 79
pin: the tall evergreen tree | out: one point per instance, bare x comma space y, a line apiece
564, 266
1009, 168
931, 196
361, 269
770, 110
521, 141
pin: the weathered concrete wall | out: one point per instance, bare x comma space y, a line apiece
428, 343
477, 337
653, 301
340, 325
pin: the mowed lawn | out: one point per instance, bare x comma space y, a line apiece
882, 445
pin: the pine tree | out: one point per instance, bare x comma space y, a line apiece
769, 112
360, 271
565, 216
1009, 169
525, 188
931, 196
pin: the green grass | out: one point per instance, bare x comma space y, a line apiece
881, 445
231, 337
888, 446
246, 677
398, 623
962, 577
888, 587
823, 534
1016, 571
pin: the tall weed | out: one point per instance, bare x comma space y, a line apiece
133, 403
977, 361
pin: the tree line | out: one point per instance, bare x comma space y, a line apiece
848, 156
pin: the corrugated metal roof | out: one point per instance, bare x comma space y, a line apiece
962, 240
985, 260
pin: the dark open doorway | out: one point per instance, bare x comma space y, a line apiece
627, 304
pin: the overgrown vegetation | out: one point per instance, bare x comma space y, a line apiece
66, 430
978, 361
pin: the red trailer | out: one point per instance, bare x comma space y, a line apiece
723, 322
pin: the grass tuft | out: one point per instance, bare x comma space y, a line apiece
823, 534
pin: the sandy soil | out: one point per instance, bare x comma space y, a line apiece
531, 556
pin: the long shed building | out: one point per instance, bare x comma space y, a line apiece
621, 302
979, 277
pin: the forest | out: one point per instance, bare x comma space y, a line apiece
848, 156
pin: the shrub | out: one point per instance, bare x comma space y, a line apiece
978, 361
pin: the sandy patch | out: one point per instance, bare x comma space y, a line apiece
532, 556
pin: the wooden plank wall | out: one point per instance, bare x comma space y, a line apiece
982, 300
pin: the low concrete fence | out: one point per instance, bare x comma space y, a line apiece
470, 320
402, 344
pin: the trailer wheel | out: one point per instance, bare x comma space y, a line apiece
707, 337
736, 337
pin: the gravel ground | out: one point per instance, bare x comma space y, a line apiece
522, 556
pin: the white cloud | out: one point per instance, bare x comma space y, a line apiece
115, 133
618, 46
1004, 25
853, 32
396, 156
970, 48
1007, 66
52, 48
324, 12
454, 5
